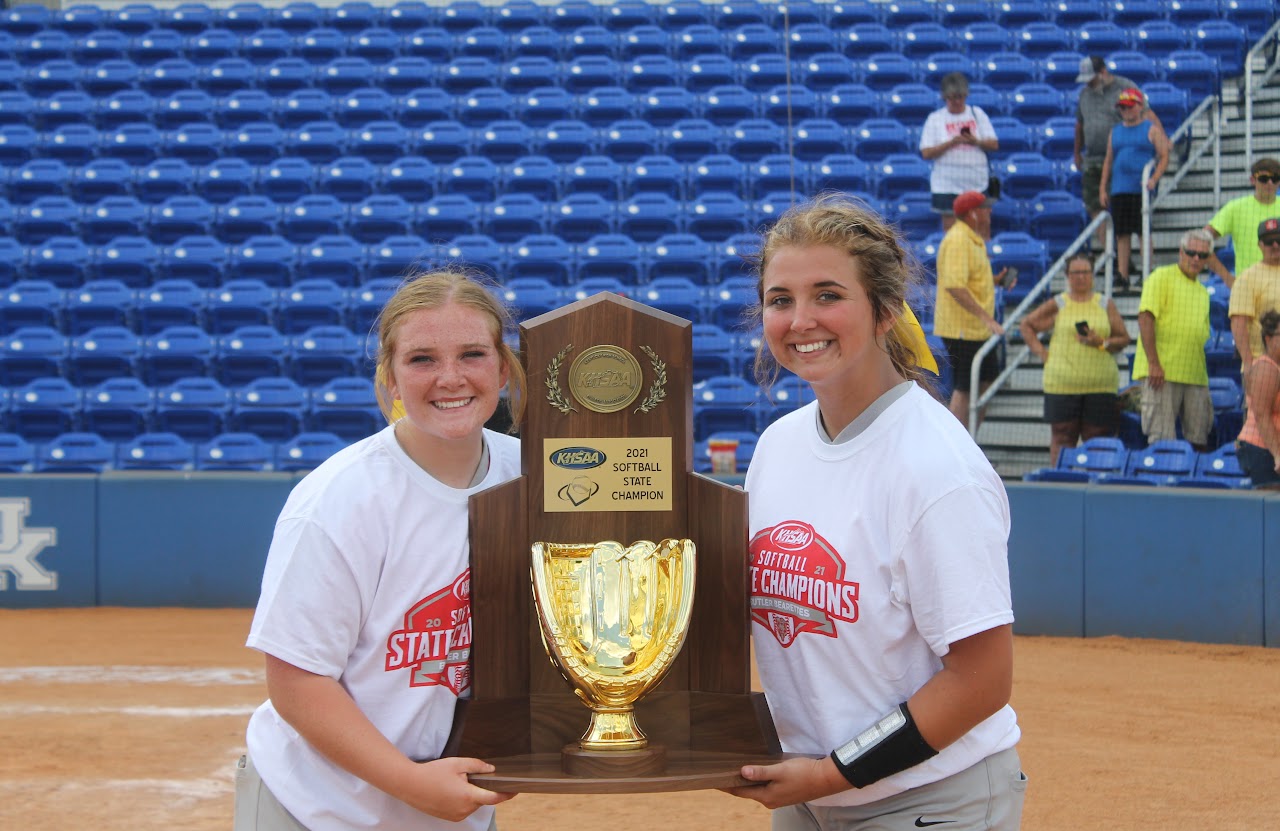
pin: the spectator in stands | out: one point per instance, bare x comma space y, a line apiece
957, 139
1256, 290
1096, 114
898, 700
1080, 373
965, 306
1133, 143
354, 711
1240, 218
1173, 323
1258, 446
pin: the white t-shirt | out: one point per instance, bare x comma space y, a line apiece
963, 167
868, 559
368, 582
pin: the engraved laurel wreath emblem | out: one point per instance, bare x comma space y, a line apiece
658, 389
554, 394
656, 395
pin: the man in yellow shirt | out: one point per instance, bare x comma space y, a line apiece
1239, 217
964, 310
1173, 319
1257, 291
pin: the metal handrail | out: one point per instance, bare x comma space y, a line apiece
1258, 49
1214, 140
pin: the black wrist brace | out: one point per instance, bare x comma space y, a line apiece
891, 745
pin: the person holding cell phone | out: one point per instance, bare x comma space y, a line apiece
957, 138
1081, 378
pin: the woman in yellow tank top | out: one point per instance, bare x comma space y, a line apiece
1258, 446
1080, 373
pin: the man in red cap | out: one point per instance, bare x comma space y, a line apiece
964, 310
1256, 292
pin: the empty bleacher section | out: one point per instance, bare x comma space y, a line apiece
214, 200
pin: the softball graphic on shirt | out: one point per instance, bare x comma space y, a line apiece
435, 643
797, 583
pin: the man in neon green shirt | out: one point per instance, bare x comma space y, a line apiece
1173, 320
1239, 219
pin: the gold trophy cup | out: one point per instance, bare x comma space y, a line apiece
613, 619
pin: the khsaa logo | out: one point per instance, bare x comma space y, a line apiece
577, 458
791, 536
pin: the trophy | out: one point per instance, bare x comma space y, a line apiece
611, 557
613, 620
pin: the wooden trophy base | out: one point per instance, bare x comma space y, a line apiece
677, 770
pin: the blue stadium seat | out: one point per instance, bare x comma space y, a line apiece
1195, 72
1057, 217
472, 176
211, 45
17, 455
168, 76
168, 302
266, 257
815, 138
593, 174
729, 301
99, 179
45, 217
134, 18
101, 353
751, 39
882, 71
184, 107
981, 38
566, 140
764, 71
535, 175
901, 173
447, 215
516, 15
479, 252
1059, 69
320, 45
606, 257
1224, 40
226, 76
1028, 254
752, 139
603, 105
365, 302
1023, 175
580, 216
117, 409
712, 352
38, 177
99, 46
99, 302
307, 451
530, 296
1222, 465
310, 302
717, 172
287, 179
75, 453
676, 295
178, 217
31, 352
903, 13
375, 44
247, 353
49, 77
1130, 13
1136, 66
185, 18
162, 179
196, 144
511, 217
654, 173
924, 38
862, 40
536, 41
876, 138
629, 139
317, 141
647, 216
724, 403
244, 217
910, 103
364, 105
322, 353
711, 72
335, 257
258, 142
199, 259
541, 257
1100, 37
627, 14
715, 217
354, 178
1162, 461
913, 213
136, 142
235, 451
412, 77
585, 40
664, 106
1158, 37
591, 286
483, 105
195, 408
248, 105
645, 73
442, 142
1254, 16
430, 42
280, 78
1036, 103
838, 171
503, 141
25, 19
688, 139
312, 216
59, 260
528, 72
677, 15
270, 408
572, 14
31, 303
787, 105
43, 408
155, 451
61, 108
543, 105
1074, 13
379, 216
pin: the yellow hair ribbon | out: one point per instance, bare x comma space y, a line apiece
912, 336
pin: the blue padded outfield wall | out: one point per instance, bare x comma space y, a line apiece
1084, 560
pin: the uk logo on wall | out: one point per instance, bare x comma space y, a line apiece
20, 548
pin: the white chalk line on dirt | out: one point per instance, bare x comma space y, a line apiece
8, 710
120, 674
218, 784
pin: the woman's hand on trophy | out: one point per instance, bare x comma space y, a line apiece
787, 783
440, 788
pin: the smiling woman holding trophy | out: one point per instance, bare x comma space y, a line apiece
880, 599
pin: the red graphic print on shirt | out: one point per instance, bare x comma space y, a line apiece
435, 643
797, 583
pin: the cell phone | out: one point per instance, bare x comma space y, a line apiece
1082, 328
964, 131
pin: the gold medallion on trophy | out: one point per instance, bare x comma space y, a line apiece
613, 619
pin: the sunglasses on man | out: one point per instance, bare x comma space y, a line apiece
1266, 178
1199, 255
1269, 241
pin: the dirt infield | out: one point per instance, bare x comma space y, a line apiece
127, 719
